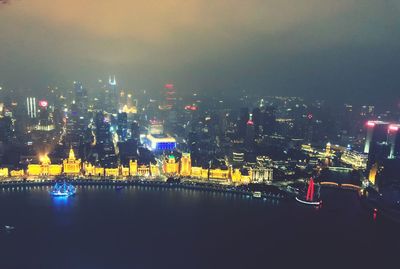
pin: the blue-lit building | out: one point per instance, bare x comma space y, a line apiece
160, 142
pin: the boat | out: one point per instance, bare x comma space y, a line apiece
310, 198
119, 187
256, 194
63, 190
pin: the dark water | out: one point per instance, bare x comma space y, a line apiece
143, 227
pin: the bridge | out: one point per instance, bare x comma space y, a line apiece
340, 185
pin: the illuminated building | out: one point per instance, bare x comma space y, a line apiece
169, 100
154, 170
155, 127
17, 173
377, 132
31, 107
238, 158
72, 165
124, 171
394, 141
4, 172
143, 170
219, 174
250, 133
133, 168
261, 174
34, 170
185, 165
6, 129
170, 166
372, 173
242, 124
45, 168
122, 126
196, 172
128, 105
160, 142
99, 171
88, 169
81, 97
355, 159
111, 172
112, 96
236, 176
45, 119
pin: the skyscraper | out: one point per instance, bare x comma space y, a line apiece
394, 141
112, 101
377, 133
81, 96
31, 107
168, 100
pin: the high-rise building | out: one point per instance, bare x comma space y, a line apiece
6, 129
242, 124
122, 126
185, 165
250, 133
394, 141
31, 107
46, 122
377, 133
168, 97
81, 96
112, 96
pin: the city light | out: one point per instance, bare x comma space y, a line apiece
43, 103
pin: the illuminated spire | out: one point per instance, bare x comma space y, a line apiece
112, 81
71, 154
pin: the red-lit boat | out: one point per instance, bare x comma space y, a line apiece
309, 198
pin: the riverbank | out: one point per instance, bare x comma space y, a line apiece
267, 191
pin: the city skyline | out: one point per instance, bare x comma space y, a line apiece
345, 49
199, 133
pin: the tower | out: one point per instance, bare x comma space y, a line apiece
250, 133
168, 97
394, 141
185, 165
112, 102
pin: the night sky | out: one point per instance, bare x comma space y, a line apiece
327, 49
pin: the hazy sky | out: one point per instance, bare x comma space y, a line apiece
323, 48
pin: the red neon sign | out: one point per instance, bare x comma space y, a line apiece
192, 108
169, 86
393, 128
43, 103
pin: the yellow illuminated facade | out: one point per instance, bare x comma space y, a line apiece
133, 168
88, 169
4, 172
143, 170
45, 168
219, 174
72, 166
17, 173
112, 172
170, 166
99, 171
124, 171
372, 173
154, 170
185, 165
